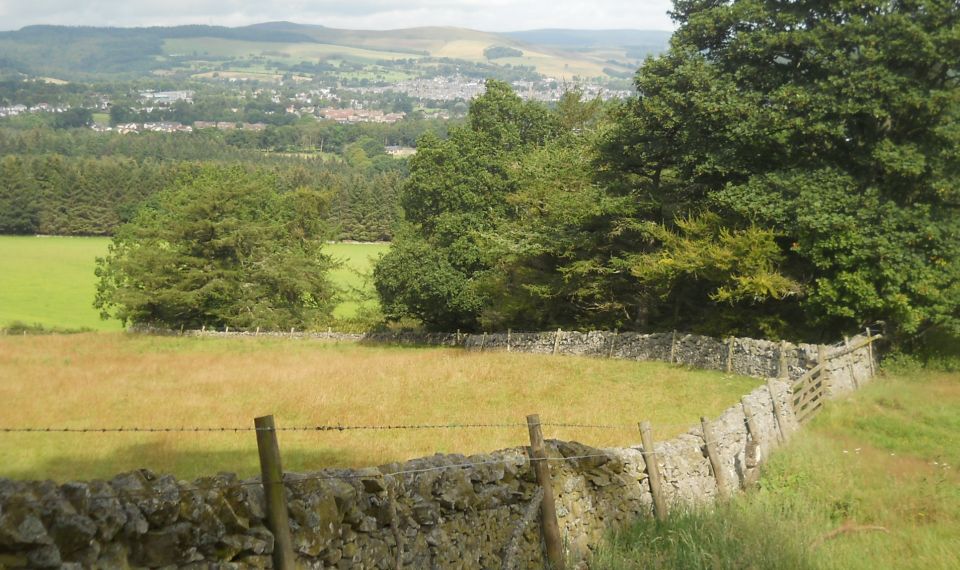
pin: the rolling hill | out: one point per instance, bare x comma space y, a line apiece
85, 53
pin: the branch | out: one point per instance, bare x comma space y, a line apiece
846, 527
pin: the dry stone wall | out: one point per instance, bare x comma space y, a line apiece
446, 511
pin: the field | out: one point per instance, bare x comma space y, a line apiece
119, 380
50, 280
872, 483
284, 52
358, 261
362, 47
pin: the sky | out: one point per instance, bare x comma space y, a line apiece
488, 15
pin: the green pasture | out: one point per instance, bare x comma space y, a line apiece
50, 280
354, 275
873, 482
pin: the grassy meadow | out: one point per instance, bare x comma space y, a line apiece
119, 380
873, 482
50, 280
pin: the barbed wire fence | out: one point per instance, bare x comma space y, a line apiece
273, 480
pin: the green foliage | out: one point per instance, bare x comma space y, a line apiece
84, 183
22, 328
222, 247
736, 270
497, 52
19, 210
560, 260
417, 279
458, 190
834, 127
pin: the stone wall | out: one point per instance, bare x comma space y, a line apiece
445, 511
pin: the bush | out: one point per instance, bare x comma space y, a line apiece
222, 247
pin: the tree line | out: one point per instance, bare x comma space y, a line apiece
781, 173
81, 183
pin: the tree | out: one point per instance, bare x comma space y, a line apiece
831, 124
19, 202
220, 247
73, 118
457, 191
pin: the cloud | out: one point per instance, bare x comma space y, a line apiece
491, 15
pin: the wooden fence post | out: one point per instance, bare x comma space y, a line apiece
849, 359
271, 473
752, 451
653, 471
870, 351
751, 421
777, 410
822, 361
226, 329
730, 342
783, 370
673, 347
714, 455
613, 343
548, 507
509, 334
556, 341
257, 333
483, 340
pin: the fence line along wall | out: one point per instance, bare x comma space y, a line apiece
747, 356
446, 511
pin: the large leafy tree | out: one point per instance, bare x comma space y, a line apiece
457, 191
832, 124
220, 247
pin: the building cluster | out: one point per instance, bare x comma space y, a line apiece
14, 110
458, 87
435, 89
166, 97
359, 115
132, 128
229, 126
400, 151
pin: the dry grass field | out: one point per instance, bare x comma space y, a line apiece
119, 380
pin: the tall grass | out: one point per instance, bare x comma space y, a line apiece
877, 470
116, 380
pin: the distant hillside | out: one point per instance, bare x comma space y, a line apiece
273, 48
579, 39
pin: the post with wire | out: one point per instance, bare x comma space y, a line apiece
548, 507
276, 498
653, 471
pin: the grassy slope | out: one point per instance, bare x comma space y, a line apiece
117, 380
50, 280
886, 457
369, 47
285, 52
358, 260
